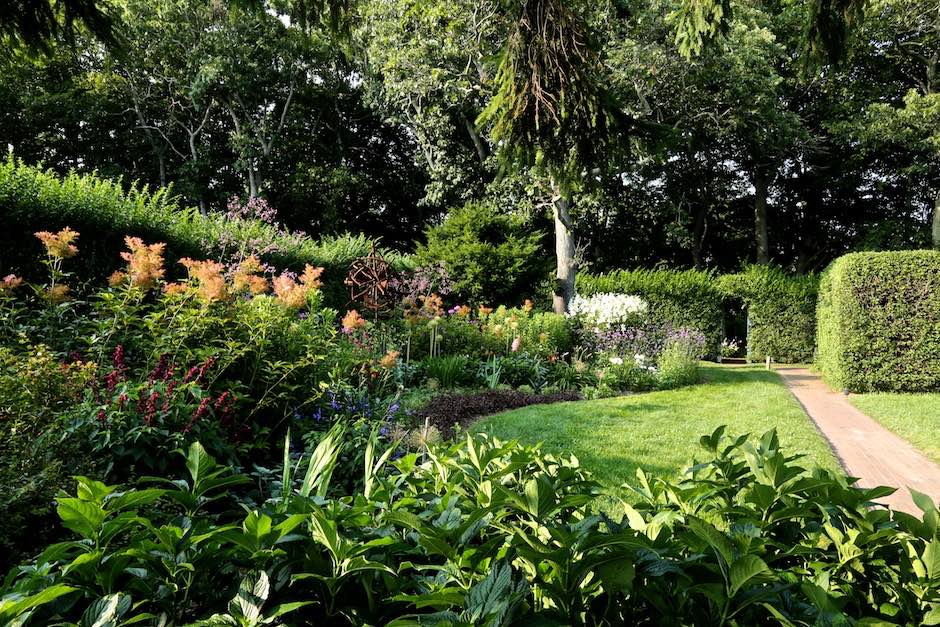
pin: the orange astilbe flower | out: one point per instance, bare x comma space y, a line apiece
174, 288
9, 283
484, 310
144, 262
352, 321
117, 278
58, 294
59, 245
527, 305
463, 311
210, 282
247, 277
293, 294
389, 360
289, 292
311, 277
432, 305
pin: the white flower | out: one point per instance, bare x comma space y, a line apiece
617, 361
608, 310
638, 358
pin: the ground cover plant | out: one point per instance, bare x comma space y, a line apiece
484, 532
914, 417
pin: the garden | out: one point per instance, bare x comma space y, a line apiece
469, 313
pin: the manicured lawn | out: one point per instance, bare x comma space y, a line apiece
660, 430
914, 417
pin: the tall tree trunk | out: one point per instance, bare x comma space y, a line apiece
699, 229
253, 182
566, 265
161, 164
761, 183
935, 227
482, 151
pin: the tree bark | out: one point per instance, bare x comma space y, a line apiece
699, 229
935, 226
761, 183
566, 266
482, 151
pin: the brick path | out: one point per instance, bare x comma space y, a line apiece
866, 449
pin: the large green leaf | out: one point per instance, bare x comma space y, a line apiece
745, 570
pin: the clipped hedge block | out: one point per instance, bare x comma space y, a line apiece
681, 298
781, 312
879, 322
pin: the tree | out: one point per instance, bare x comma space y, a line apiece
549, 110
909, 32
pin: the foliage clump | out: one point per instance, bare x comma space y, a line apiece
483, 532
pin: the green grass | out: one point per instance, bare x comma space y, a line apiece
659, 431
914, 417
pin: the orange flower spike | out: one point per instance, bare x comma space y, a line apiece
389, 360
246, 277
527, 305
352, 321
144, 262
58, 294
290, 293
174, 288
117, 278
209, 278
311, 277
59, 245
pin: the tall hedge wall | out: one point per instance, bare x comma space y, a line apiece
879, 322
683, 298
32, 199
781, 310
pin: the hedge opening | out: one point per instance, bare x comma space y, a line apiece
781, 312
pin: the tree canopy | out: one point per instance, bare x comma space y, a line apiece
706, 134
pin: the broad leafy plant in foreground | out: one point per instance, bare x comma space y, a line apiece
486, 533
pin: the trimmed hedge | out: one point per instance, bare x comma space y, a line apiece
103, 212
879, 322
682, 298
781, 311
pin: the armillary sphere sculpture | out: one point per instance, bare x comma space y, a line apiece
370, 282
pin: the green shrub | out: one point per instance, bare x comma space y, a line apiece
678, 298
781, 311
879, 322
676, 367
491, 256
33, 199
486, 533
449, 371
36, 458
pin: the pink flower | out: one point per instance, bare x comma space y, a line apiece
515, 344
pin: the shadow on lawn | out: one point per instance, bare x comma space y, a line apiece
714, 374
